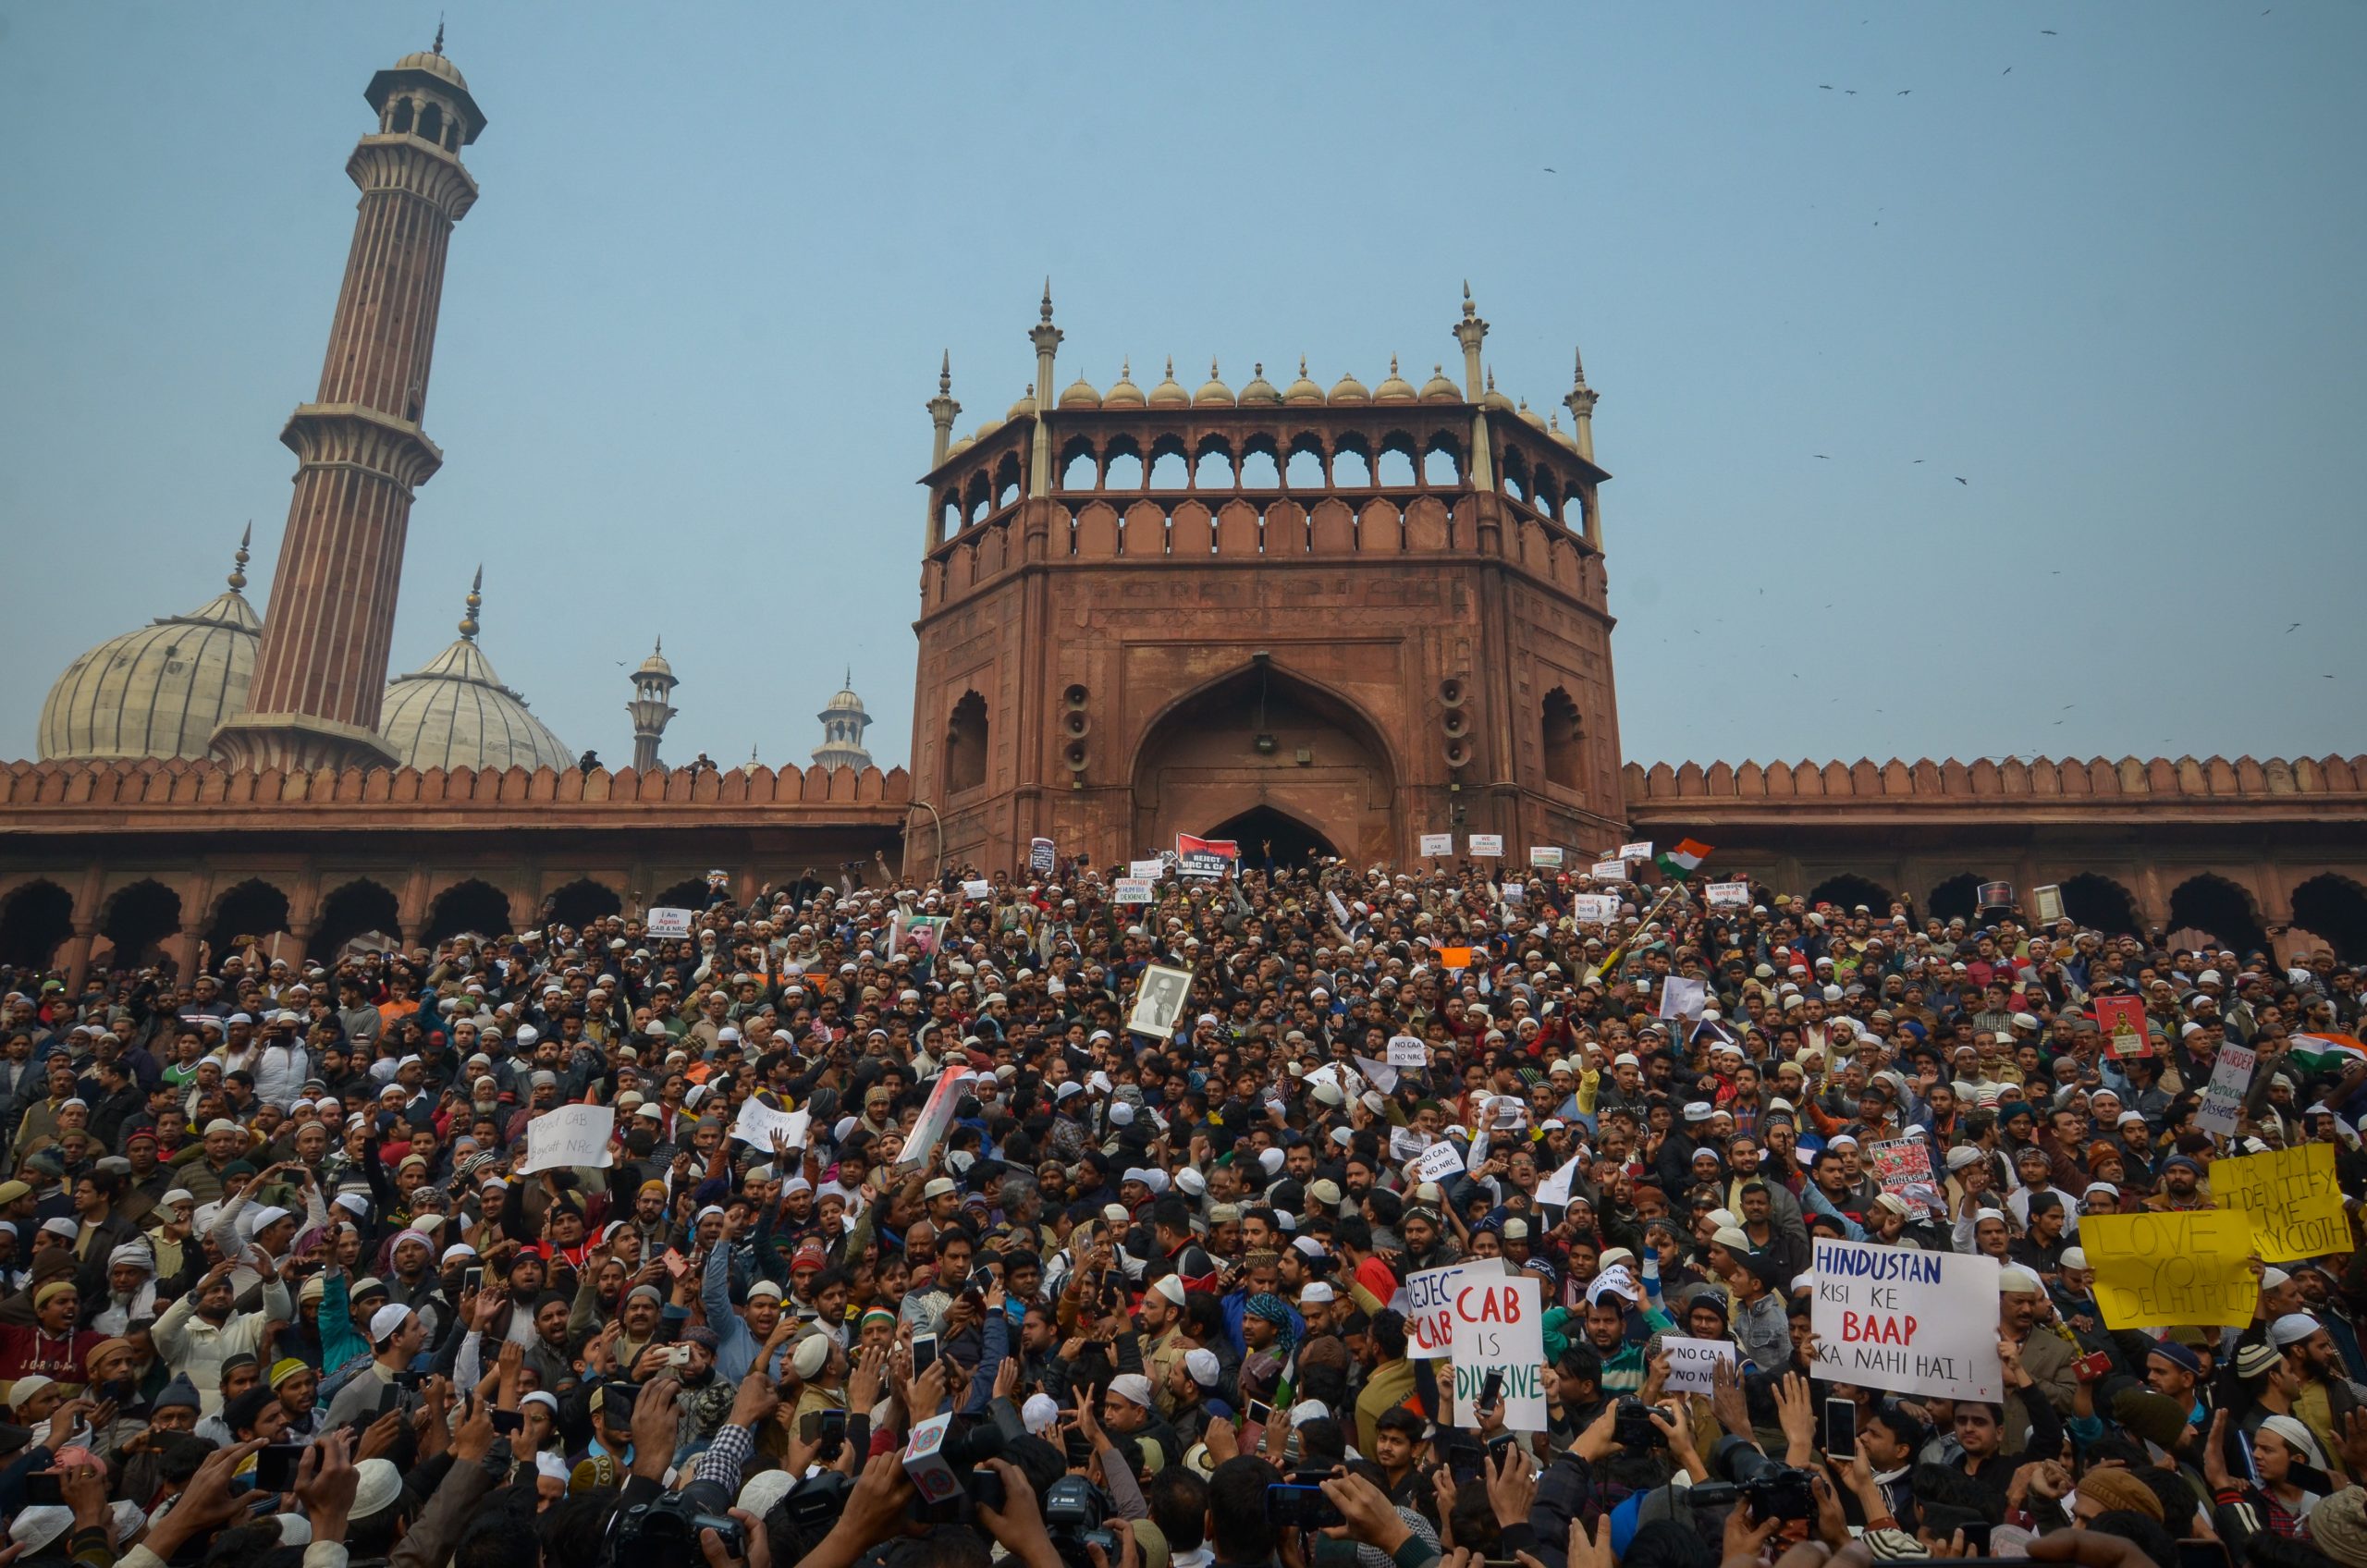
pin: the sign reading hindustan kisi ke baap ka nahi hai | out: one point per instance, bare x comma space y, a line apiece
1913, 1322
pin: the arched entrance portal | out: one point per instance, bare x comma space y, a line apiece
1262, 739
1262, 831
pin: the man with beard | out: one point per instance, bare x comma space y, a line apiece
297, 1387
2181, 1187
198, 1332
2328, 1400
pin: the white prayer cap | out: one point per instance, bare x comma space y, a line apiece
1132, 1386
386, 1321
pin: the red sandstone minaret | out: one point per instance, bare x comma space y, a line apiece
321, 670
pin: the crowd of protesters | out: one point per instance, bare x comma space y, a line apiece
277, 1289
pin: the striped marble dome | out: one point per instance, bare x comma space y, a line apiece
158, 692
454, 712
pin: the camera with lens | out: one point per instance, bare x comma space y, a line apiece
1632, 1425
1746, 1475
666, 1533
817, 1499
1073, 1512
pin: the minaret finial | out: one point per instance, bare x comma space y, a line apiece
661, 643
1469, 310
1171, 367
1393, 366
1579, 355
439, 33
475, 603
238, 561
1046, 313
945, 374
1302, 367
1491, 378
848, 684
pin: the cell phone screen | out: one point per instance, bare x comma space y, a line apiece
275, 1468
44, 1490
1492, 1390
1841, 1429
1261, 1412
923, 1352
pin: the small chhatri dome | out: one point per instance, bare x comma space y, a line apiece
160, 690
989, 428
1260, 393
1529, 415
843, 722
433, 63
1169, 393
1492, 398
1553, 428
655, 663
1348, 389
454, 711
1302, 390
1125, 394
1080, 395
1396, 390
1439, 389
1213, 392
1024, 408
961, 445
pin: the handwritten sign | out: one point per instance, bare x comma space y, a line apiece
1728, 895
1153, 868
1407, 1143
979, 889
1429, 1305
1133, 890
670, 922
2162, 1270
2222, 1097
1545, 857
1914, 1322
1594, 909
1609, 871
1408, 1050
2122, 1022
1488, 846
757, 1122
2048, 902
1642, 849
1901, 1163
2290, 1195
569, 1138
1379, 1074
1500, 1330
1438, 844
1684, 998
1692, 1363
1438, 1162
1041, 857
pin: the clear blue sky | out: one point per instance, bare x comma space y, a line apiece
688, 329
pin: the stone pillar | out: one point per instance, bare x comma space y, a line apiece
78, 956
184, 952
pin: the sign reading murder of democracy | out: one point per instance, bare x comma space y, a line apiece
1429, 1305
2290, 1195
669, 922
2161, 1270
1500, 1329
570, 1137
2222, 1097
1909, 1321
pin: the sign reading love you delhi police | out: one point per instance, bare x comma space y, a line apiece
1913, 1322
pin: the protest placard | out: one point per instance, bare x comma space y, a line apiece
1153, 868
1515, 893
1439, 1162
2121, 1019
1500, 1329
2222, 1097
670, 923
1041, 857
1438, 844
1226, 848
2162, 1270
1545, 857
1338, 911
1379, 1074
978, 889
1692, 1363
1455, 958
1994, 895
1407, 1143
1429, 1305
1487, 846
1594, 909
1641, 849
757, 1122
1131, 890
1159, 1002
1200, 865
1408, 1050
2295, 1206
570, 1137
1681, 997
1901, 1163
2047, 902
1609, 871
1554, 1191
1728, 895
936, 1115
1910, 1321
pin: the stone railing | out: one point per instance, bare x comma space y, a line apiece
2152, 782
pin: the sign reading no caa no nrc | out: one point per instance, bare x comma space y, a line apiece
1913, 1322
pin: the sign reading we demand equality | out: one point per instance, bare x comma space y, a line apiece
1909, 1321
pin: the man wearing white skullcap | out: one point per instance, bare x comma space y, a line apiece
198, 1331
395, 1337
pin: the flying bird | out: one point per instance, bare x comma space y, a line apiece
2292, 628
2048, 32
1905, 90
1960, 479
1552, 171
1850, 90
1918, 460
2007, 71
1819, 455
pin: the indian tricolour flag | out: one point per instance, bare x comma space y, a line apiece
1683, 858
2320, 1052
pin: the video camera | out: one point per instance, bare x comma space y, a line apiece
665, 1533
1770, 1490
1073, 1510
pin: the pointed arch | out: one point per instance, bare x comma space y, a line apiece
357, 909
471, 906
35, 919
966, 744
1848, 890
690, 893
2098, 903
2335, 907
1958, 898
254, 908
583, 902
138, 917
2213, 905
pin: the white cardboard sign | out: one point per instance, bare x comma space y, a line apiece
570, 1137
1609, 871
1913, 1322
1691, 1363
1429, 1305
1153, 868
1594, 909
1437, 843
1500, 1327
1545, 857
1681, 997
1133, 890
1639, 851
1408, 1050
757, 1122
1439, 1162
673, 922
2222, 1097
1729, 895
1487, 846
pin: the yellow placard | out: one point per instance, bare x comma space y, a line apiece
2170, 1270
2296, 1208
